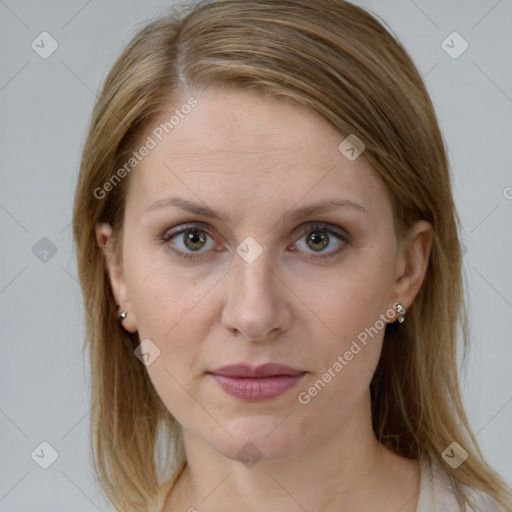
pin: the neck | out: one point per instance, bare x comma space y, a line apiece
348, 471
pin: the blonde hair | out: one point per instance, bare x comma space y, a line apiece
340, 61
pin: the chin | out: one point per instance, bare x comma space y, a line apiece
261, 438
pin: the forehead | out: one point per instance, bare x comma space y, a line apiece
241, 143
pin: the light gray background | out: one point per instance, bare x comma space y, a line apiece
45, 106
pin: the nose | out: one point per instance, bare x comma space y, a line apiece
257, 303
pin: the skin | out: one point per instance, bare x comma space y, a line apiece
255, 159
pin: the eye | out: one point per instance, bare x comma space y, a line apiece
189, 240
317, 237
194, 239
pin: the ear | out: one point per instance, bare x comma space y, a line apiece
116, 276
412, 262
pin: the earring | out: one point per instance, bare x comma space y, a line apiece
401, 313
122, 315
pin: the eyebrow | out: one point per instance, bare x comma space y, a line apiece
299, 213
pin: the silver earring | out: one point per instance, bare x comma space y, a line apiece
122, 315
401, 313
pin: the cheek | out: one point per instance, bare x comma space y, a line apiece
174, 320
352, 299
169, 319
345, 367
172, 312
180, 396
353, 311
158, 295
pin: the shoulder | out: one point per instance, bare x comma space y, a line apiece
437, 493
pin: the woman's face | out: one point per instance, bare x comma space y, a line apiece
263, 285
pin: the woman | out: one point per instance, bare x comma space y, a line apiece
271, 271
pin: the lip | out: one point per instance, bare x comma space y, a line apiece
256, 383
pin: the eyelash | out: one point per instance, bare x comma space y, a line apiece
307, 229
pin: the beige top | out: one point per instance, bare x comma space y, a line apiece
436, 493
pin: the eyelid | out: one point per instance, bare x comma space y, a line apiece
180, 228
338, 230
